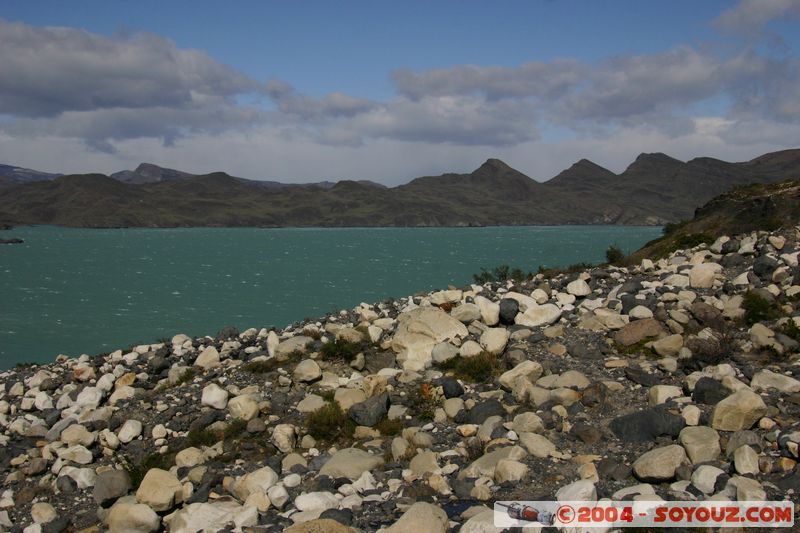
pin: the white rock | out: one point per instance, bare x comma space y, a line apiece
284, 437
421, 517
490, 311
418, 331
278, 496
208, 358
738, 411
538, 315
766, 379
702, 276
316, 501
640, 312
129, 517
244, 406
660, 464
129, 431
701, 443
579, 288
530, 370
705, 477
42, 513
307, 371
214, 396
537, 445
160, 490
659, 394
583, 490
494, 340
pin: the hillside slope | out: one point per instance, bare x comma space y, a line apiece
655, 189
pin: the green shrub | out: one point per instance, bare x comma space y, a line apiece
340, 349
200, 437
235, 428
501, 273
313, 333
261, 367
672, 227
791, 330
423, 401
691, 240
478, 368
137, 470
329, 423
185, 377
758, 309
614, 254
390, 427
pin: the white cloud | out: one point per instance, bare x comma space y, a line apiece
84, 102
751, 16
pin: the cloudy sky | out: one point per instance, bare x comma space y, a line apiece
305, 91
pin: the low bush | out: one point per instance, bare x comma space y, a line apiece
340, 349
235, 428
758, 309
423, 401
614, 254
501, 273
479, 368
390, 427
137, 470
329, 423
691, 240
200, 437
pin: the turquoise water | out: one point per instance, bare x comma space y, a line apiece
77, 291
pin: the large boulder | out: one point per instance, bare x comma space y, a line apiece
307, 371
538, 315
292, 345
486, 464
638, 331
350, 463
418, 331
767, 379
647, 425
701, 443
738, 411
421, 516
210, 517
660, 464
371, 411
110, 485
131, 517
702, 276
160, 490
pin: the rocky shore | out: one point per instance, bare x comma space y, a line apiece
675, 378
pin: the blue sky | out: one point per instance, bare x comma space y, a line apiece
388, 91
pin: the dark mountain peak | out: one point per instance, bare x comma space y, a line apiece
149, 173
655, 157
493, 165
494, 169
14, 174
783, 159
653, 162
581, 173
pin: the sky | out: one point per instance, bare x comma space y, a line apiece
388, 91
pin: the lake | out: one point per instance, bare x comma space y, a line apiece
75, 291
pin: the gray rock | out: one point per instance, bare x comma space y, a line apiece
508, 311
647, 425
483, 410
371, 411
110, 485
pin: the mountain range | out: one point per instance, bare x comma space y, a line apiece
654, 189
